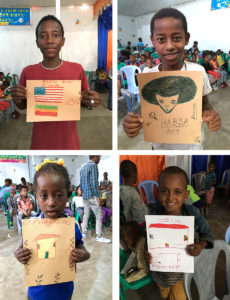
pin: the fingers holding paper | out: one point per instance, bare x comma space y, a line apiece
90, 98
132, 124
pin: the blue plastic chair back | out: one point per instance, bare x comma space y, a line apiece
227, 236
148, 187
130, 72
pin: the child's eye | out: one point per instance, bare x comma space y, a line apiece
59, 195
178, 192
42, 36
177, 38
43, 196
173, 101
161, 101
161, 40
163, 191
56, 35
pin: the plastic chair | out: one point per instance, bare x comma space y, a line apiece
225, 182
135, 285
204, 272
199, 183
227, 236
130, 72
148, 187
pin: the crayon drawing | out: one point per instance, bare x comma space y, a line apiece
53, 100
167, 238
171, 106
50, 241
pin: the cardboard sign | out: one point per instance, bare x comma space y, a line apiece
171, 106
53, 100
50, 241
167, 238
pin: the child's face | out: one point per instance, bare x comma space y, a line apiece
211, 168
142, 58
172, 193
79, 192
194, 58
132, 58
50, 39
12, 193
169, 39
149, 63
51, 194
129, 239
24, 192
137, 55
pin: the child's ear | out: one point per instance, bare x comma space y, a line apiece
187, 37
63, 41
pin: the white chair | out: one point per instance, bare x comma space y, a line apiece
204, 272
130, 73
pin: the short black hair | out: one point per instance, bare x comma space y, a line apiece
55, 169
168, 86
212, 163
23, 187
166, 13
8, 180
173, 170
46, 18
132, 228
143, 55
127, 167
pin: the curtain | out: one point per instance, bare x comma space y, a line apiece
199, 163
104, 26
109, 50
222, 164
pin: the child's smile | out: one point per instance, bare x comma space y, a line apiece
51, 194
172, 193
169, 40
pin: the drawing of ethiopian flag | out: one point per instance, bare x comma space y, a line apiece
53, 100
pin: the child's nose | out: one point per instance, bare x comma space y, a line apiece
169, 44
51, 201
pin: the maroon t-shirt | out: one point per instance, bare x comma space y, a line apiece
58, 135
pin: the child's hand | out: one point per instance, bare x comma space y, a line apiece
90, 98
132, 124
100, 202
148, 257
212, 118
195, 249
18, 93
23, 255
77, 255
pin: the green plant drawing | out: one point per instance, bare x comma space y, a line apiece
39, 279
57, 277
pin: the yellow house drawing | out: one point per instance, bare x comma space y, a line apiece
46, 245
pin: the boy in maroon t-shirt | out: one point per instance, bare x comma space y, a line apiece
60, 135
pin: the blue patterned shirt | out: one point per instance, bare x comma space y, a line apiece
89, 180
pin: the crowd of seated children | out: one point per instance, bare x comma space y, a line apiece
5, 86
172, 193
18, 200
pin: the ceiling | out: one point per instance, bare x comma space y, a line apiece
135, 8
42, 3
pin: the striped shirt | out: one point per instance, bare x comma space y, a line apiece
89, 180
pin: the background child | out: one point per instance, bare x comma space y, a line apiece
172, 192
50, 39
11, 206
133, 209
169, 36
24, 204
131, 235
78, 204
210, 181
51, 183
149, 67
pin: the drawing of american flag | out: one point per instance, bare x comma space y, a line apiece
48, 94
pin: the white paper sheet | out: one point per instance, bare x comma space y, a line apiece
167, 238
